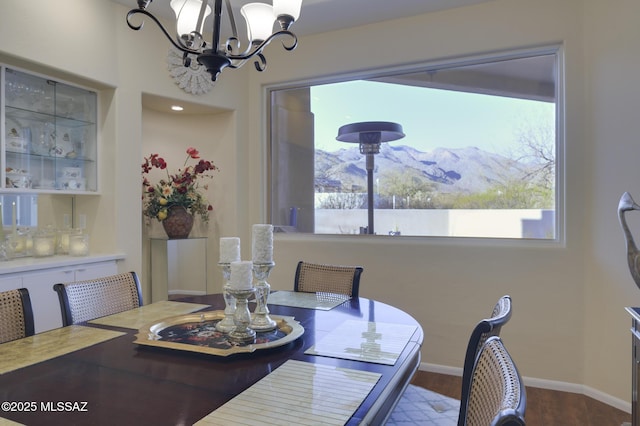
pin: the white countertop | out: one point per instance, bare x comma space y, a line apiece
25, 264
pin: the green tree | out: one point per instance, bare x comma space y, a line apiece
515, 194
411, 191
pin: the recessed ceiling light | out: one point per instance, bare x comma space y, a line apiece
176, 108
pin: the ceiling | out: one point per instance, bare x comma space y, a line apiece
319, 16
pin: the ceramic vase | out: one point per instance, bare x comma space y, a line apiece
178, 223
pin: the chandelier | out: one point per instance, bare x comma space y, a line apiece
214, 56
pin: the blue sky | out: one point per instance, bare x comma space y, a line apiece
430, 118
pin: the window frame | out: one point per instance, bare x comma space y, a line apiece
438, 64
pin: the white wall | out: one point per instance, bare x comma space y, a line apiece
569, 323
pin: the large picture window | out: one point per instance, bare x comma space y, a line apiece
476, 154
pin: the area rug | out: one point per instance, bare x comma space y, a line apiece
420, 406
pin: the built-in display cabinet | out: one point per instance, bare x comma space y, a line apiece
49, 135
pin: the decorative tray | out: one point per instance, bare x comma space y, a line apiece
197, 333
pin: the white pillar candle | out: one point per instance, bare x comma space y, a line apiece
229, 249
14, 219
262, 244
242, 275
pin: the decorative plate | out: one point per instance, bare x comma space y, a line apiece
197, 333
192, 79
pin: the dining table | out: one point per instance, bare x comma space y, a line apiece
342, 361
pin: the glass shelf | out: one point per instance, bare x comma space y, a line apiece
49, 137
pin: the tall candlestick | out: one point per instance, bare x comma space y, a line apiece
14, 225
229, 249
262, 243
242, 275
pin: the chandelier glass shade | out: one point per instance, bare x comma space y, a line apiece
187, 14
214, 55
259, 17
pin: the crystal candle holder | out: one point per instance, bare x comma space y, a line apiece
242, 317
227, 324
261, 320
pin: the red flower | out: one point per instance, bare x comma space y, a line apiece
203, 166
193, 153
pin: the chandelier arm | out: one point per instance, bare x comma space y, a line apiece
162, 28
201, 14
262, 64
232, 45
237, 64
258, 48
232, 21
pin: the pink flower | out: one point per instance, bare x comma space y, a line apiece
193, 153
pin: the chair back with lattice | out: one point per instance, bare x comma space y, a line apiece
315, 277
16, 315
482, 331
82, 301
497, 395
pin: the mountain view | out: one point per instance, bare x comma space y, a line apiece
449, 170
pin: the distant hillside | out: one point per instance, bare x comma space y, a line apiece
451, 170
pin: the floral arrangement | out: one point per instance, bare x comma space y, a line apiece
179, 189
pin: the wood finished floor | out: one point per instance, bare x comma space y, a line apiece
544, 407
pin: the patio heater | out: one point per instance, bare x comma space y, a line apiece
370, 134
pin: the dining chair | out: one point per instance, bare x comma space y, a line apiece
338, 279
16, 315
497, 394
82, 301
418, 404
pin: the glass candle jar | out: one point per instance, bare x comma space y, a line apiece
44, 244
79, 245
20, 243
63, 239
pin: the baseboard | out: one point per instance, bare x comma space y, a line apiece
544, 384
618, 403
187, 292
441, 369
